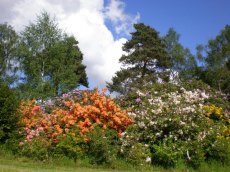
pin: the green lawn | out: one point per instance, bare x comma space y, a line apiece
11, 164
18, 166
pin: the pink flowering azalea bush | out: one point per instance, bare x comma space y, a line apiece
174, 123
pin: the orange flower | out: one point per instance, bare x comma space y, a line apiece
87, 121
54, 135
35, 109
68, 103
85, 130
98, 121
84, 115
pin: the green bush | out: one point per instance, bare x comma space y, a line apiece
194, 154
164, 155
8, 112
103, 146
219, 150
138, 154
132, 150
37, 149
70, 146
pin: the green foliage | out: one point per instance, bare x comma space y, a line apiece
164, 155
70, 146
103, 146
50, 60
193, 154
37, 149
9, 118
8, 58
219, 150
183, 62
66, 70
138, 153
216, 71
146, 61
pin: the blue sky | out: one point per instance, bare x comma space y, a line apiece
103, 26
195, 20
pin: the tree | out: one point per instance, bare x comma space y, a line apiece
50, 61
146, 60
66, 70
216, 71
183, 62
8, 112
8, 47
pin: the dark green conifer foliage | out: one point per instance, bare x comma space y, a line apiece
145, 60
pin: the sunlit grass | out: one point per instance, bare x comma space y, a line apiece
10, 163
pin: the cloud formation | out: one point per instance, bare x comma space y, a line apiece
85, 19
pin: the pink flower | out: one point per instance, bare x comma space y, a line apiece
40, 129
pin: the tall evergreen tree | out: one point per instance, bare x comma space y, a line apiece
8, 58
50, 61
145, 61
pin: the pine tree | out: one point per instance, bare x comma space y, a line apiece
145, 61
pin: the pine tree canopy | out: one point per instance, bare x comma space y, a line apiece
145, 61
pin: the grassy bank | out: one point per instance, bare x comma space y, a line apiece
8, 163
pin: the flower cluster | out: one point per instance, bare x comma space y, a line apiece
173, 120
75, 113
214, 112
218, 114
174, 115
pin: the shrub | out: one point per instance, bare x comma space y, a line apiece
8, 116
194, 154
164, 155
68, 121
84, 114
102, 146
37, 149
132, 150
70, 146
182, 115
219, 150
138, 153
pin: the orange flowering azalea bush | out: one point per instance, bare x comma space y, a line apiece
71, 116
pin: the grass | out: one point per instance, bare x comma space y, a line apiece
10, 163
20, 166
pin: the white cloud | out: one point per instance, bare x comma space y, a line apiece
85, 19
121, 21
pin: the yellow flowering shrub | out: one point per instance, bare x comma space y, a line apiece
217, 113
213, 112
